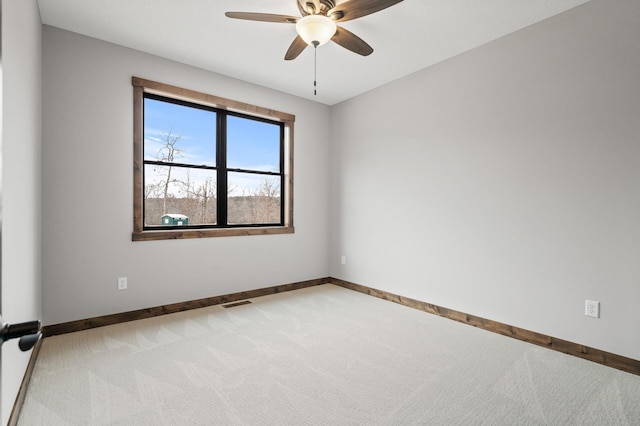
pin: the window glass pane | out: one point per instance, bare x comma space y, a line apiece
253, 199
179, 191
180, 134
253, 145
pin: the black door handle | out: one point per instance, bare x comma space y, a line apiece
28, 332
27, 342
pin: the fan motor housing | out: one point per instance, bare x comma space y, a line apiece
311, 7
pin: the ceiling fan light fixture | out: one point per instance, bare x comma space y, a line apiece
316, 29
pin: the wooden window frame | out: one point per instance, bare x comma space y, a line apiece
142, 86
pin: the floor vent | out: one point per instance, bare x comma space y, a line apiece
233, 305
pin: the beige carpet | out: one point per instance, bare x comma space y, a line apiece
318, 356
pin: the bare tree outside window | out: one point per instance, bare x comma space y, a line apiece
167, 154
256, 205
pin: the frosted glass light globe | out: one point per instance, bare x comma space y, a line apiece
316, 28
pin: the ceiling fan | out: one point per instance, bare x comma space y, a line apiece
318, 23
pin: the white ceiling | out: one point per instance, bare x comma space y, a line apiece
407, 37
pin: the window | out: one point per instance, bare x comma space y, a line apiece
205, 166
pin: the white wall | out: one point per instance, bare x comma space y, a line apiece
87, 190
21, 47
504, 182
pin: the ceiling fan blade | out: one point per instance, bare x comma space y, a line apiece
353, 9
350, 41
263, 17
295, 49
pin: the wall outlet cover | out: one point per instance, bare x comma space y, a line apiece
122, 283
592, 308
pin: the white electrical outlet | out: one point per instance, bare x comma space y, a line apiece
592, 308
122, 283
343, 260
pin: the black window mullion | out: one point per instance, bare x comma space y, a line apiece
282, 174
174, 164
221, 163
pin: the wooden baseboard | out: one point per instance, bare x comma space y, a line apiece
85, 324
619, 362
22, 392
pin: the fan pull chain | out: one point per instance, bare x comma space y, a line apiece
315, 66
